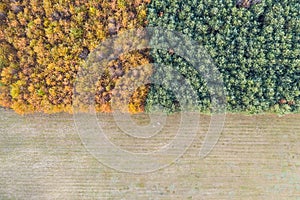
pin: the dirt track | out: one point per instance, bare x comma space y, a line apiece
256, 157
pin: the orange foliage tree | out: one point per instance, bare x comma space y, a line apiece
43, 44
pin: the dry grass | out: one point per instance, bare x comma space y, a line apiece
257, 157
